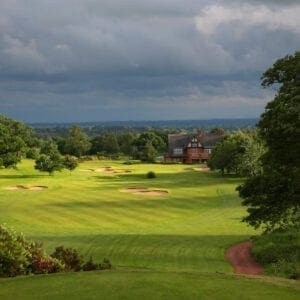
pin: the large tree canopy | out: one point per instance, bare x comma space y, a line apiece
273, 197
14, 139
77, 142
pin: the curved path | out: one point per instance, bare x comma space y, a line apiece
241, 260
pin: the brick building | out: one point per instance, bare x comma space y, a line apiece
191, 148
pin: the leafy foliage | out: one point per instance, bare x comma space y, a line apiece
70, 162
151, 175
110, 144
77, 143
148, 154
238, 152
273, 197
14, 140
70, 257
20, 257
279, 252
50, 159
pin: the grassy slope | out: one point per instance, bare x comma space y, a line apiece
144, 285
187, 230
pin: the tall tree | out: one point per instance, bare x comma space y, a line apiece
273, 197
148, 153
126, 143
110, 144
14, 140
77, 142
228, 153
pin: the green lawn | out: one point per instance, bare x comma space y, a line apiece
145, 285
186, 230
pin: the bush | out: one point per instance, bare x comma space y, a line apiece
42, 263
90, 265
20, 257
279, 253
105, 265
15, 256
69, 257
151, 175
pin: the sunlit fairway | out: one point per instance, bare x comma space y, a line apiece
187, 229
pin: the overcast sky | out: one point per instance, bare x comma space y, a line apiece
98, 60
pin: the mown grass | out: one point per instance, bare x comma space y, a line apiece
187, 230
142, 284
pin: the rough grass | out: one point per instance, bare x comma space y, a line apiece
173, 235
279, 252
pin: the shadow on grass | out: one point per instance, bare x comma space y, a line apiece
204, 252
22, 176
181, 179
137, 202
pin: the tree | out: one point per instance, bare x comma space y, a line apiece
126, 143
149, 153
273, 197
110, 144
249, 163
97, 145
70, 162
150, 136
228, 152
77, 142
50, 159
14, 139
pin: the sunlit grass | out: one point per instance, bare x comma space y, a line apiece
187, 229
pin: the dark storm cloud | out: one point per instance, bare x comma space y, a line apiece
130, 59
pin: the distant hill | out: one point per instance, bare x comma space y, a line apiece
120, 127
228, 123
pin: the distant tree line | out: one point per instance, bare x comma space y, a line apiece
53, 154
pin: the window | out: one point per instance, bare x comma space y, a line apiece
177, 151
194, 150
207, 151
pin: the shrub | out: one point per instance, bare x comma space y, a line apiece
151, 175
20, 257
105, 265
69, 257
15, 253
279, 252
90, 265
42, 263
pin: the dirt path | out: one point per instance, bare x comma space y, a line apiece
241, 260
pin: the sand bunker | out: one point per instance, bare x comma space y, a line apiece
144, 191
107, 170
28, 188
110, 170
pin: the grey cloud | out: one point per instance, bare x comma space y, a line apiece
106, 57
